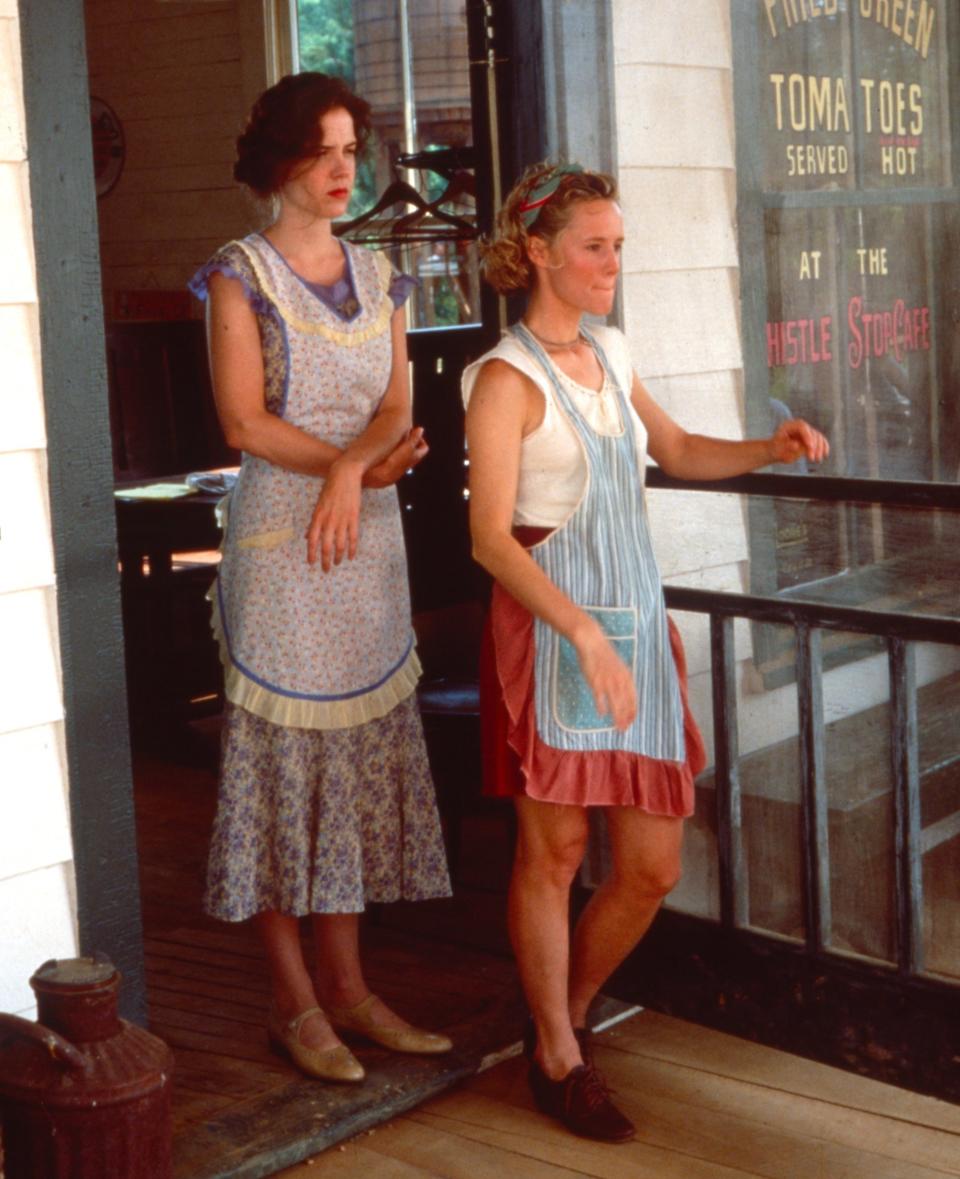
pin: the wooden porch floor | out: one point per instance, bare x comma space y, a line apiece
708, 1106
239, 1111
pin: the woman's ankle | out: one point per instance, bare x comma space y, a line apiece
557, 1051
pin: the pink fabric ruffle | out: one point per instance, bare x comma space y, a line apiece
516, 761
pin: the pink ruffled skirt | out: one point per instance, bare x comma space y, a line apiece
517, 762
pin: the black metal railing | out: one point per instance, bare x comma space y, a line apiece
808, 619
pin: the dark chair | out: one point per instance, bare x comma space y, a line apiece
448, 642
162, 414
164, 425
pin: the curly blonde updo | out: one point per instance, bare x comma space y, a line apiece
504, 258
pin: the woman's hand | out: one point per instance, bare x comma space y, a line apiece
408, 452
798, 439
335, 524
608, 677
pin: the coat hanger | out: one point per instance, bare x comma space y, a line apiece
433, 210
397, 192
371, 227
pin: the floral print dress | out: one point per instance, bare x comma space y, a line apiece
325, 800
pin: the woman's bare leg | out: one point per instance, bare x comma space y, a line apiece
291, 987
646, 865
339, 978
551, 840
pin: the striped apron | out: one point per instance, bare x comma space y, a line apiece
602, 558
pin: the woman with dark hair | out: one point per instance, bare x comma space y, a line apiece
584, 694
325, 800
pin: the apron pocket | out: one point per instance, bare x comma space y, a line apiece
573, 706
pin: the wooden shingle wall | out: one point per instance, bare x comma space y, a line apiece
37, 908
180, 78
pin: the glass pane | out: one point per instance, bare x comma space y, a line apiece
807, 115
857, 736
859, 336
853, 94
770, 785
698, 890
904, 86
865, 555
938, 706
409, 59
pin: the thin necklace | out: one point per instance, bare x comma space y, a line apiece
558, 345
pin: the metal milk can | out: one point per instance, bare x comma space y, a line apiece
83, 1093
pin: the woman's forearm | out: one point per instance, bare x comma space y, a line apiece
270, 437
388, 427
702, 457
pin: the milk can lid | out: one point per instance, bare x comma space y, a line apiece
76, 972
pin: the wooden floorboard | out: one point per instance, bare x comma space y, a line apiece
239, 1111
707, 1106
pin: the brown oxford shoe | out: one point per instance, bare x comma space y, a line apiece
581, 1102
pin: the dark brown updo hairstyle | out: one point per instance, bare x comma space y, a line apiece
504, 258
284, 128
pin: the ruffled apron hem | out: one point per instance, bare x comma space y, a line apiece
293, 712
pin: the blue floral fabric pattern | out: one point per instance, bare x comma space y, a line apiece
324, 821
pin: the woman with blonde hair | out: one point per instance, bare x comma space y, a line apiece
584, 700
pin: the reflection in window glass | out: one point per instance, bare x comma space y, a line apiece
938, 706
846, 168
699, 889
859, 786
409, 59
771, 790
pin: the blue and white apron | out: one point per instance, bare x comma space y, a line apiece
602, 558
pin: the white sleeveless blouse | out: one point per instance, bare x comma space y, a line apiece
553, 469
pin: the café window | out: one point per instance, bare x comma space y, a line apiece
409, 59
847, 157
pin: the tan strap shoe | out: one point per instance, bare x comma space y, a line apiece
358, 1019
327, 1064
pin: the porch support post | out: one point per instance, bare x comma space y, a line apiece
59, 144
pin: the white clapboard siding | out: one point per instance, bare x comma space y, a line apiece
694, 33
27, 556
17, 281
683, 321
177, 77
678, 218
37, 904
12, 145
695, 399
21, 408
36, 924
674, 117
30, 682
35, 832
